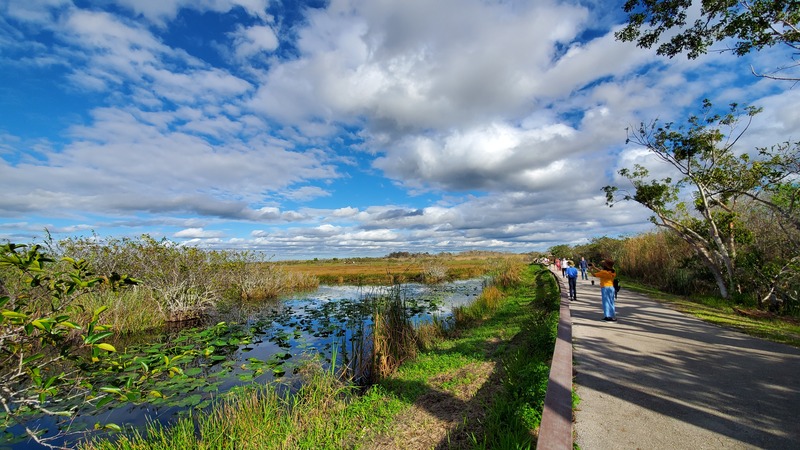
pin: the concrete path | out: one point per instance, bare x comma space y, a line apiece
658, 379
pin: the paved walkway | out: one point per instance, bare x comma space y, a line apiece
658, 379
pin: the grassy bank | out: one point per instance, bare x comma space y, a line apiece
721, 312
482, 385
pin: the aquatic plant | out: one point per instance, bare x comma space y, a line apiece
393, 336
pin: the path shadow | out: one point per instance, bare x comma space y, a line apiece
719, 380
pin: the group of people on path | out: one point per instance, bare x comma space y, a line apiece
606, 274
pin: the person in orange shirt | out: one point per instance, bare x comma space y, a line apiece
606, 276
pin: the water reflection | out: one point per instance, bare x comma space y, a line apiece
280, 334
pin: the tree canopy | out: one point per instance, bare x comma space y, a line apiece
744, 25
703, 204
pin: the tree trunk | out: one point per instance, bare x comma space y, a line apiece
719, 277
702, 249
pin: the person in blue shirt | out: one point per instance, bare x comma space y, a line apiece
572, 279
584, 267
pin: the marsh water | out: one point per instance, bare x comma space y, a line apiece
275, 337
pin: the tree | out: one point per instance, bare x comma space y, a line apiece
771, 184
701, 152
750, 24
560, 250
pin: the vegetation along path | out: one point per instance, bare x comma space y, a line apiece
657, 378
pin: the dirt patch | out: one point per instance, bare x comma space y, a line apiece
448, 414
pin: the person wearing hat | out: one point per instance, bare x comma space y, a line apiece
606, 276
572, 279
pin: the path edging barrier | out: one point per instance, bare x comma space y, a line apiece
555, 430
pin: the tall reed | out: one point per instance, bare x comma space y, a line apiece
506, 272
431, 333
488, 302
393, 337
663, 261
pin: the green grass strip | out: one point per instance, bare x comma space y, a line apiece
721, 312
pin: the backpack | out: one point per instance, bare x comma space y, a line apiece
616, 285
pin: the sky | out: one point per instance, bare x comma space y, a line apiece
342, 128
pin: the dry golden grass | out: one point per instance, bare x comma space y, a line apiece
393, 339
396, 270
491, 297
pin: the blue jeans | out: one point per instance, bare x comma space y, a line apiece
572, 283
583, 274
608, 301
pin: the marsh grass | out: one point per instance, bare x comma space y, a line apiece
327, 411
485, 305
255, 280
323, 413
176, 283
516, 334
431, 333
128, 310
394, 339
506, 272
393, 270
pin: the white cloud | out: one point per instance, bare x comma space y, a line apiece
306, 193
253, 41
162, 11
485, 123
198, 233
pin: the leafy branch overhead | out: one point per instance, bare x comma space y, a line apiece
743, 26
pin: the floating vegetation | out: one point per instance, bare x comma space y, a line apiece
186, 369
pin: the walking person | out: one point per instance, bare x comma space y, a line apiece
584, 266
606, 276
572, 280
564, 267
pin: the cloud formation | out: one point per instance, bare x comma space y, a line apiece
355, 128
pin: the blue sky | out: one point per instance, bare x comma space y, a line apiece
341, 128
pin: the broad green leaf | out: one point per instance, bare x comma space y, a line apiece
111, 390
98, 311
32, 358
69, 324
106, 347
108, 426
104, 401
156, 394
43, 324
92, 338
14, 314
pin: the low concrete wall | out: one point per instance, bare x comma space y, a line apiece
555, 431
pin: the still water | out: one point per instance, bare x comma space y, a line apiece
281, 334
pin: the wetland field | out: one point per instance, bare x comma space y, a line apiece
218, 325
